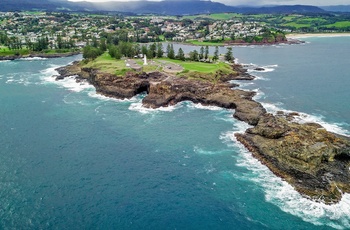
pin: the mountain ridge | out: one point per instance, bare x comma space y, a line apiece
183, 7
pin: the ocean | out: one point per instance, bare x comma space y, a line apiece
72, 159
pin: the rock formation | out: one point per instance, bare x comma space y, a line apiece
314, 161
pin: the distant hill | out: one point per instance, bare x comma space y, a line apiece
338, 8
142, 7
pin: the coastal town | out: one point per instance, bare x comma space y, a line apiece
64, 30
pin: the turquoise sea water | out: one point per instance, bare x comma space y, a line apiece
71, 159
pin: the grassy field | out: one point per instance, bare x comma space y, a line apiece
297, 25
107, 64
202, 71
4, 51
342, 24
191, 70
200, 67
198, 43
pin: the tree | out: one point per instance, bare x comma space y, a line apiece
59, 42
216, 54
194, 55
201, 54
206, 55
160, 51
114, 51
90, 52
180, 55
229, 56
103, 45
95, 42
152, 50
170, 51
233, 36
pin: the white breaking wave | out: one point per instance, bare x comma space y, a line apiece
32, 58
137, 106
205, 107
71, 84
283, 195
202, 151
259, 94
94, 94
48, 76
307, 118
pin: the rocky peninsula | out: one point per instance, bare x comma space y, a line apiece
314, 161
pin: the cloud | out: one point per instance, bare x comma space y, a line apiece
252, 2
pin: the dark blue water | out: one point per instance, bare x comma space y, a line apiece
70, 159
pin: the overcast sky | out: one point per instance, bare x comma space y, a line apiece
261, 2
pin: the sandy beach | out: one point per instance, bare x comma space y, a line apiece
296, 36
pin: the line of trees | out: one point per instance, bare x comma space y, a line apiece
153, 50
42, 43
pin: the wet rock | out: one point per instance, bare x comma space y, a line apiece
314, 161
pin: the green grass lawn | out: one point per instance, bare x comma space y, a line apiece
198, 43
342, 24
289, 18
5, 51
201, 70
201, 67
107, 64
297, 25
192, 70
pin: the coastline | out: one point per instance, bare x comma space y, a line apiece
302, 154
38, 55
310, 35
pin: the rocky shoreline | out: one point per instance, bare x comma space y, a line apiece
314, 161
37, 55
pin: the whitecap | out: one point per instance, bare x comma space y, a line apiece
138, 106
205, 107
49, 73
32, 58
258, 94
307, 118
96, 95
202, 151
71, 84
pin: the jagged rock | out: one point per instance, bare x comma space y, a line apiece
314, 161
259, 69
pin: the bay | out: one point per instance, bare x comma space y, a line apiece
72, 159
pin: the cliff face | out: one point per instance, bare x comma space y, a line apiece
314, 161
163, 90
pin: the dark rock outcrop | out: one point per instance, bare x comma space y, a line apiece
314, 161
163, 90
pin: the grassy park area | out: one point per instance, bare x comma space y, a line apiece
189, 69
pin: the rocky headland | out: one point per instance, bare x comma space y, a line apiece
314, 161
38, 55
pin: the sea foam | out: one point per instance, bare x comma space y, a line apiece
307, 118
137, 106
32, 59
